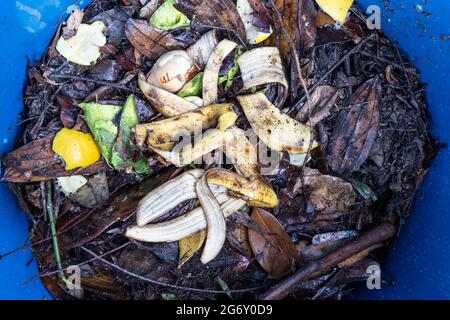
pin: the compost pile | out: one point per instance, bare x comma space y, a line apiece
304, 205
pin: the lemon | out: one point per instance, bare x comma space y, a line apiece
337, 9
77, 149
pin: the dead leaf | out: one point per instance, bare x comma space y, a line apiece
121, 205
389, 74
216, 14
241, 262
103, 282
307, 14
323, 20
261, 17
288, 10
189, 246
237, 236
353, 30
326, 193
142, 261
73, 22
115, 20
322, 100
69, 111
356, 129
36, 161
274, 251
152, 42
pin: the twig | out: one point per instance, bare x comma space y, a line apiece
105, 83
51, 220
380, 233
298, 104
162, 284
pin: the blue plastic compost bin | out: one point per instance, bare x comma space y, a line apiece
420, 260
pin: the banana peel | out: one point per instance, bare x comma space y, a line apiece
164, 133
255, 191
277, 130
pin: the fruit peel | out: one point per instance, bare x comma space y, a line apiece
76, 148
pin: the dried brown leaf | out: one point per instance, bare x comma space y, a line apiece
36, 161
356, 128
216, 14
274, 251
307, 14
114, 20
322, 100
327, 193
152, 42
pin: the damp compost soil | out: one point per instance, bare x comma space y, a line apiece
364, 103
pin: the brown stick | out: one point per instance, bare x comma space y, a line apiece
375, 235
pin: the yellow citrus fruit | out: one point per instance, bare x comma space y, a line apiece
77, 149
337, 9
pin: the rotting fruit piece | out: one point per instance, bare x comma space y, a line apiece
84, 47
76, 148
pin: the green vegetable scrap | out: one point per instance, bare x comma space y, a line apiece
193, 87
228, 78
114, 142
166, 17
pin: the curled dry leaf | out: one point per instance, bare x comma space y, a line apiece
327, 193
36, 161
69, 111
322, 100
152, 42
274, 251
356, 128
220, 14
189, 246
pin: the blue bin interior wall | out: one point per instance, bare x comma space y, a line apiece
420, 260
